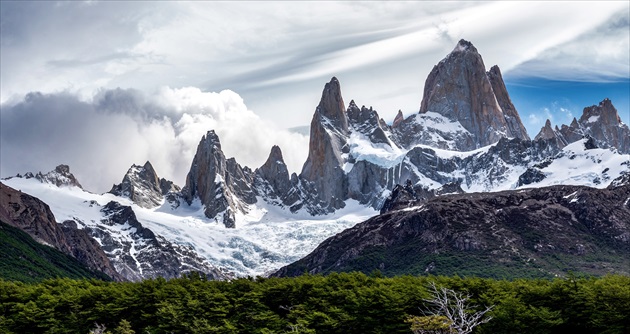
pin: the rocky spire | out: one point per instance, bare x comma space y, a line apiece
142, 185
552, 136
367, 122
398, 119
272, 178
459, 89
331, 105
546, 132
328, 141
516, 129
61, 176
222, 185
602, 123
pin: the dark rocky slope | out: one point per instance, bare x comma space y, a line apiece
525, 233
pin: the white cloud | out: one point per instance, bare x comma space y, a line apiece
534, 120
101, 139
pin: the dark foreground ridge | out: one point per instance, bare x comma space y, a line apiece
540, 232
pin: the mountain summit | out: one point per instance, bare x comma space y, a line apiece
323, 169
599, 122
142, 185
460, 89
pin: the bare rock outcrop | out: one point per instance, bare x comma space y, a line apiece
142, 185
460, 89
61, 176
323, 170
600, 123
272, 178
222, 185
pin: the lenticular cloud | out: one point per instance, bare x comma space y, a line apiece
101, 138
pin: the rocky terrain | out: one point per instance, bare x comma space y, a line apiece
106, 238
142, 185
466, 142
34, 217
467, 132
537, 232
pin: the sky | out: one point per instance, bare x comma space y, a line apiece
101, 85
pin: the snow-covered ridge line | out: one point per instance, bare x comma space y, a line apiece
268, 238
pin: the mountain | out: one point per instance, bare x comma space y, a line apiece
470, 100
34, 217
221, 184
272, 179
467, 132
600, 122
138, 253
230, 219
106, 237
537, 232
142, 185
323, 173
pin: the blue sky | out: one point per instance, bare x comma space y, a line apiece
560, 101
163, 73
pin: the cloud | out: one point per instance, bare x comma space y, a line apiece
100, 139
534, 120
598, 55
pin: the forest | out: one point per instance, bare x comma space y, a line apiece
335, 303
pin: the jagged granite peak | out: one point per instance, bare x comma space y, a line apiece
464, 46
460, 89
398, 119
546, 132
34, 217
142, 185
573, 132
515, 126
331, 105
61, 176
222, 186
323, 170
603, 124
272, 178
551, 135
367, 122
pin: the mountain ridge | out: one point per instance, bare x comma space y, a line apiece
474, 142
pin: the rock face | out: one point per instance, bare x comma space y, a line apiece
553, 136
222, 185
61, 176
600, 122
323, 170
137, 253
535, 232
603, 124
459, 89
272, 178
515, 126
142, 185
35, 218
